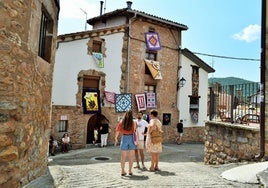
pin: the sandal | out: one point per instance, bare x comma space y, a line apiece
123, 174
130, 173
156, 169
151, 169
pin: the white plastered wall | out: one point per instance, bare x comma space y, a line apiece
72, 57
185, 91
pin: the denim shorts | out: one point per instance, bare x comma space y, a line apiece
127, 143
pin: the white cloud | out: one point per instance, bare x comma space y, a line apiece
70, 9
249, 33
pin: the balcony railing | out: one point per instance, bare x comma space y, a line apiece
235, 103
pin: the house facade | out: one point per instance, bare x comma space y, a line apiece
192, 100
129, 60
192, 96
27, 52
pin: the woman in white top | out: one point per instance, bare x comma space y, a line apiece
65, 142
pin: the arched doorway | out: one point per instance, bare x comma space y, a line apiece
94, 121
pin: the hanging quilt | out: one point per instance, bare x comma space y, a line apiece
152, 41
123, 102
110, 97
91, 101
150, 99
98, 57
154, 67
194, 115
141, 102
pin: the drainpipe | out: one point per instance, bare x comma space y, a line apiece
128, 46
262, 88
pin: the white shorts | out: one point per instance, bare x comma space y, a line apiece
140, 144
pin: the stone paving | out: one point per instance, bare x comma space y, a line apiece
181, 166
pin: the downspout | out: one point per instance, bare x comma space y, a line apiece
128, 51
262, 88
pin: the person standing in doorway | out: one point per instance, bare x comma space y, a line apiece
180, 132
126, 128
104, 130
141, 125
95, 135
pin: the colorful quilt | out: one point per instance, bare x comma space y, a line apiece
110, 97
98, 57
154, 67
123, 102
151, 100
91, 101
152, 41
141, 102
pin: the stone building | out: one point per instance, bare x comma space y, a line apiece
129, 59
28, 32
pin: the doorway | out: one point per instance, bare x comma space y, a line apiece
94, 121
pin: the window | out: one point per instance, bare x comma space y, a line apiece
194, 103
195, 70
62, 126
91, 82
97, 46
45, 36
151, 55
149, 88
151, 29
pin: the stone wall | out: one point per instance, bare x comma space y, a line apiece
194, 134
226, 143
25, 91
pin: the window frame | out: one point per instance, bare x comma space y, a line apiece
45, 35
149, 88
63, 126
97, 46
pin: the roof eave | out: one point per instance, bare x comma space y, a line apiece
187, 53
181, 26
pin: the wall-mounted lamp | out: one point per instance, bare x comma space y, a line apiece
181, 82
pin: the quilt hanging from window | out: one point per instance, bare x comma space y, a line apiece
91, 101
98, 57
152, 41
123, 102
154, 67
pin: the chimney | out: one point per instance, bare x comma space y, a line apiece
101, 5
129, 3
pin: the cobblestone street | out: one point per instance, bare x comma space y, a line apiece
181, 166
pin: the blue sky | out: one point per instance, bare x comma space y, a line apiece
230, 28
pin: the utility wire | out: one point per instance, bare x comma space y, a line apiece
226, 57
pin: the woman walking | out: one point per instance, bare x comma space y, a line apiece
126, 129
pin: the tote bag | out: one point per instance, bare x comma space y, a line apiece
156, 136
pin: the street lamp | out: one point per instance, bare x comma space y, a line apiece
181, 82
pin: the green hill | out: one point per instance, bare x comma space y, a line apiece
228, 81
246, 87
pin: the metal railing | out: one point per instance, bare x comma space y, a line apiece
235, 103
